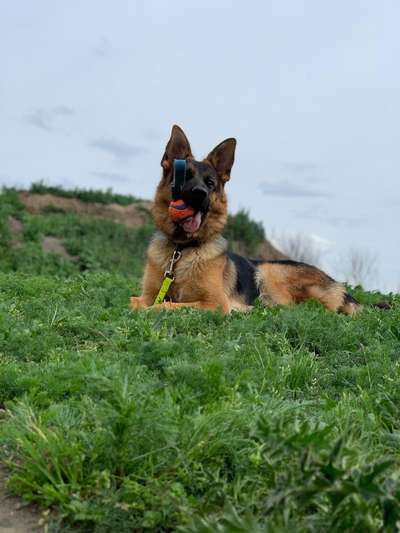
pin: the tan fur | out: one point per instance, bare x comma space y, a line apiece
199, 274
205, 277
350, 308
293, 284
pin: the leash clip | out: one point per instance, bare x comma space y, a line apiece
169, 277
169, 273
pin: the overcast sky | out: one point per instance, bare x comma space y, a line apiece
310, 89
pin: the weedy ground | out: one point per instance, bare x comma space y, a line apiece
283, 419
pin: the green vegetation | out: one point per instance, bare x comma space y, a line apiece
94, 244
283, 419
85, 195
241, 228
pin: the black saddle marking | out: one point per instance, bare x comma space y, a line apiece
245, 279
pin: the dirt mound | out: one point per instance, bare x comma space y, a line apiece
16, 229
55, 245
267, 251
131, 215
14, 518
49, 244
15, 226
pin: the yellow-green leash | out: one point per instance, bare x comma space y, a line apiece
169, 277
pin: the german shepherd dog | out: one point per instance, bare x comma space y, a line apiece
205, 274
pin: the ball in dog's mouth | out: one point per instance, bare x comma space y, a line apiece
185, 216
191, 224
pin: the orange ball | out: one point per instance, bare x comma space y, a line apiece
178, 210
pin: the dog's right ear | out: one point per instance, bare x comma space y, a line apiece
178, 147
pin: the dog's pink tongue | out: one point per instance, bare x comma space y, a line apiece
192, 224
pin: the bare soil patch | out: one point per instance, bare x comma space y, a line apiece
16, 228
14, 516
132, 215
267, 251
55, 245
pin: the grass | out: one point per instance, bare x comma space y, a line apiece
85, 195
288, 419
282, 419
95, 244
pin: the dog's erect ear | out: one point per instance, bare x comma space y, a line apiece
222, 158
178, 147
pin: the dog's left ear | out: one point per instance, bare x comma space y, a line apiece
222, 158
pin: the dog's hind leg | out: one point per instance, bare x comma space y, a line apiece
291, 282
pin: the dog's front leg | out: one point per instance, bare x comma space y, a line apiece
138, 302
151, 285
210, 306
208, 290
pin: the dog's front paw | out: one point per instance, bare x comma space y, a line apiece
137, 302
165, 305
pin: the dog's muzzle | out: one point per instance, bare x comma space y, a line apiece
196, 196
192, 193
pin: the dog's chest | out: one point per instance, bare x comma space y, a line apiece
187, 274
190, 270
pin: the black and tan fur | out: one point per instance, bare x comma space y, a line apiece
207, 276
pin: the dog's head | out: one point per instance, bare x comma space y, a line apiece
203, 190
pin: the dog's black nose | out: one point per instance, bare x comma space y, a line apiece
199, 192
196, 195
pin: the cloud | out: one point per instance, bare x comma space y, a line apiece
345, 221
321, 242
102, 48
318, 213
295, 167
290, 190
119, 149
44, 119
14, 182
296, 181
393, 201
152, 134
63, 110
112, 176
4, 180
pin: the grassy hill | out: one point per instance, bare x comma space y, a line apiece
88, 235
54, 231
284, 419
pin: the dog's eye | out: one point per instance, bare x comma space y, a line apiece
210, 183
